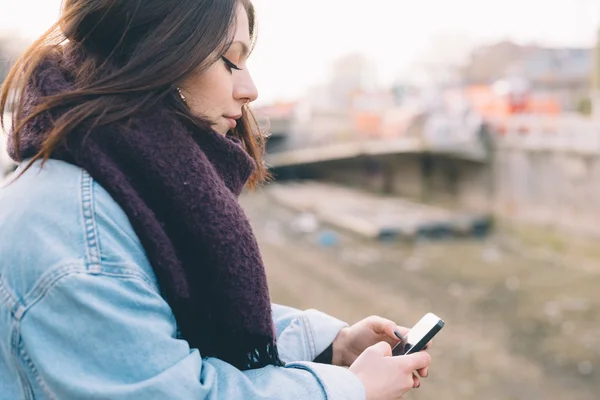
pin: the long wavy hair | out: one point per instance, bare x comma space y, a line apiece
134, 53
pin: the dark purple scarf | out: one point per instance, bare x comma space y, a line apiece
179, 187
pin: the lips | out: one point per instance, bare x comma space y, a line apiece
232, 120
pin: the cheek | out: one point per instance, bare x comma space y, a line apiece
211, 91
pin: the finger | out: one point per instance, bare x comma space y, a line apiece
400, 333
382, 326
392, 334
388, 329
417, 361
402, 330
382, 348
416, 382
423, 372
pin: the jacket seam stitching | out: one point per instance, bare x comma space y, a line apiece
93, 259
321, 382
92, 235
34, 371
44, 284
9, 299
310, 336
24, 380
49, 281
23, 352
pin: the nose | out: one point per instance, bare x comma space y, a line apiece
244, 89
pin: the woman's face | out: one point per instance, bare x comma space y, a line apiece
220, 92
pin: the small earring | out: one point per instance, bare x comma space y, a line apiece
181, 94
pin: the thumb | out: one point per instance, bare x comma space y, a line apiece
382, 348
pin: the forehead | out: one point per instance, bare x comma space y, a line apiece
242, 25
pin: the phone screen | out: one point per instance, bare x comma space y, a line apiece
418, 337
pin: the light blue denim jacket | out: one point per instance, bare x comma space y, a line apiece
82, 317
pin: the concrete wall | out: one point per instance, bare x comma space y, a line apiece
550, 176
558, 190
547, 174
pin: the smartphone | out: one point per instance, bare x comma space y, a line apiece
418, 337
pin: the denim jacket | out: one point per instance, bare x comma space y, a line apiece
82, 316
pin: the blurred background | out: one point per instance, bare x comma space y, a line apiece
432, 156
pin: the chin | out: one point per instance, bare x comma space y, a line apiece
221, 130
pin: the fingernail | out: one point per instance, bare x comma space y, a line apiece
398, 335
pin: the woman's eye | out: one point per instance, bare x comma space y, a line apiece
230, 66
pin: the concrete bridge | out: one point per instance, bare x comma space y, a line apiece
541, 170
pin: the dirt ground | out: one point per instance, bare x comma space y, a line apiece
522, 322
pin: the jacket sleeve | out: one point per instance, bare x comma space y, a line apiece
111, 335
303, 335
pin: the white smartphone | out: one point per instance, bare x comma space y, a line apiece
421, 334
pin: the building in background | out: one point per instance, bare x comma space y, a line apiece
561, 75
487, 64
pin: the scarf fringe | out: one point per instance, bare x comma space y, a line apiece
245, 351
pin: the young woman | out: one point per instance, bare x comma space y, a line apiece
127, 267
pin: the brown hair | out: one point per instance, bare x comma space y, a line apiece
136, 51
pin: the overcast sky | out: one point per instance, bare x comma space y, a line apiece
299, 39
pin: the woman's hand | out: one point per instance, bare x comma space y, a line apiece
386, 377
352, 341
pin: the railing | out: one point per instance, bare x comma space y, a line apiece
345, 150
563, 133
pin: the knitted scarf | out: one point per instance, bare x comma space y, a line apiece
179, 187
